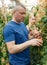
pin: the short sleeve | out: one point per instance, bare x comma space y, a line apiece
8, 34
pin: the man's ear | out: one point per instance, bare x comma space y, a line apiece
14, 11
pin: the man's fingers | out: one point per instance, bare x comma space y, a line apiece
40, 41
39, 44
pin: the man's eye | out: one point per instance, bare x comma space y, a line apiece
21, 13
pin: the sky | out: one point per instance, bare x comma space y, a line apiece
28, 4
5, 2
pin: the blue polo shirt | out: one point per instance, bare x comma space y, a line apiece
18, 33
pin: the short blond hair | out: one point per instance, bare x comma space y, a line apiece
17, 7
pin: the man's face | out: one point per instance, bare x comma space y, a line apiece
20, 14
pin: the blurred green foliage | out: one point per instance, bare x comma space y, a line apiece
26, 20
39, 54
3, 48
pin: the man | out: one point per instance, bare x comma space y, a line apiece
16, 38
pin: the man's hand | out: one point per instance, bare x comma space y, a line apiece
36, 42
35, 33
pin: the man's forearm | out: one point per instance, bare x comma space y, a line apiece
19, 48
16, 48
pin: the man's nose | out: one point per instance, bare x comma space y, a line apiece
24, 15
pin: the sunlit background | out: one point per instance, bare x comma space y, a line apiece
28, 3
38, 55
